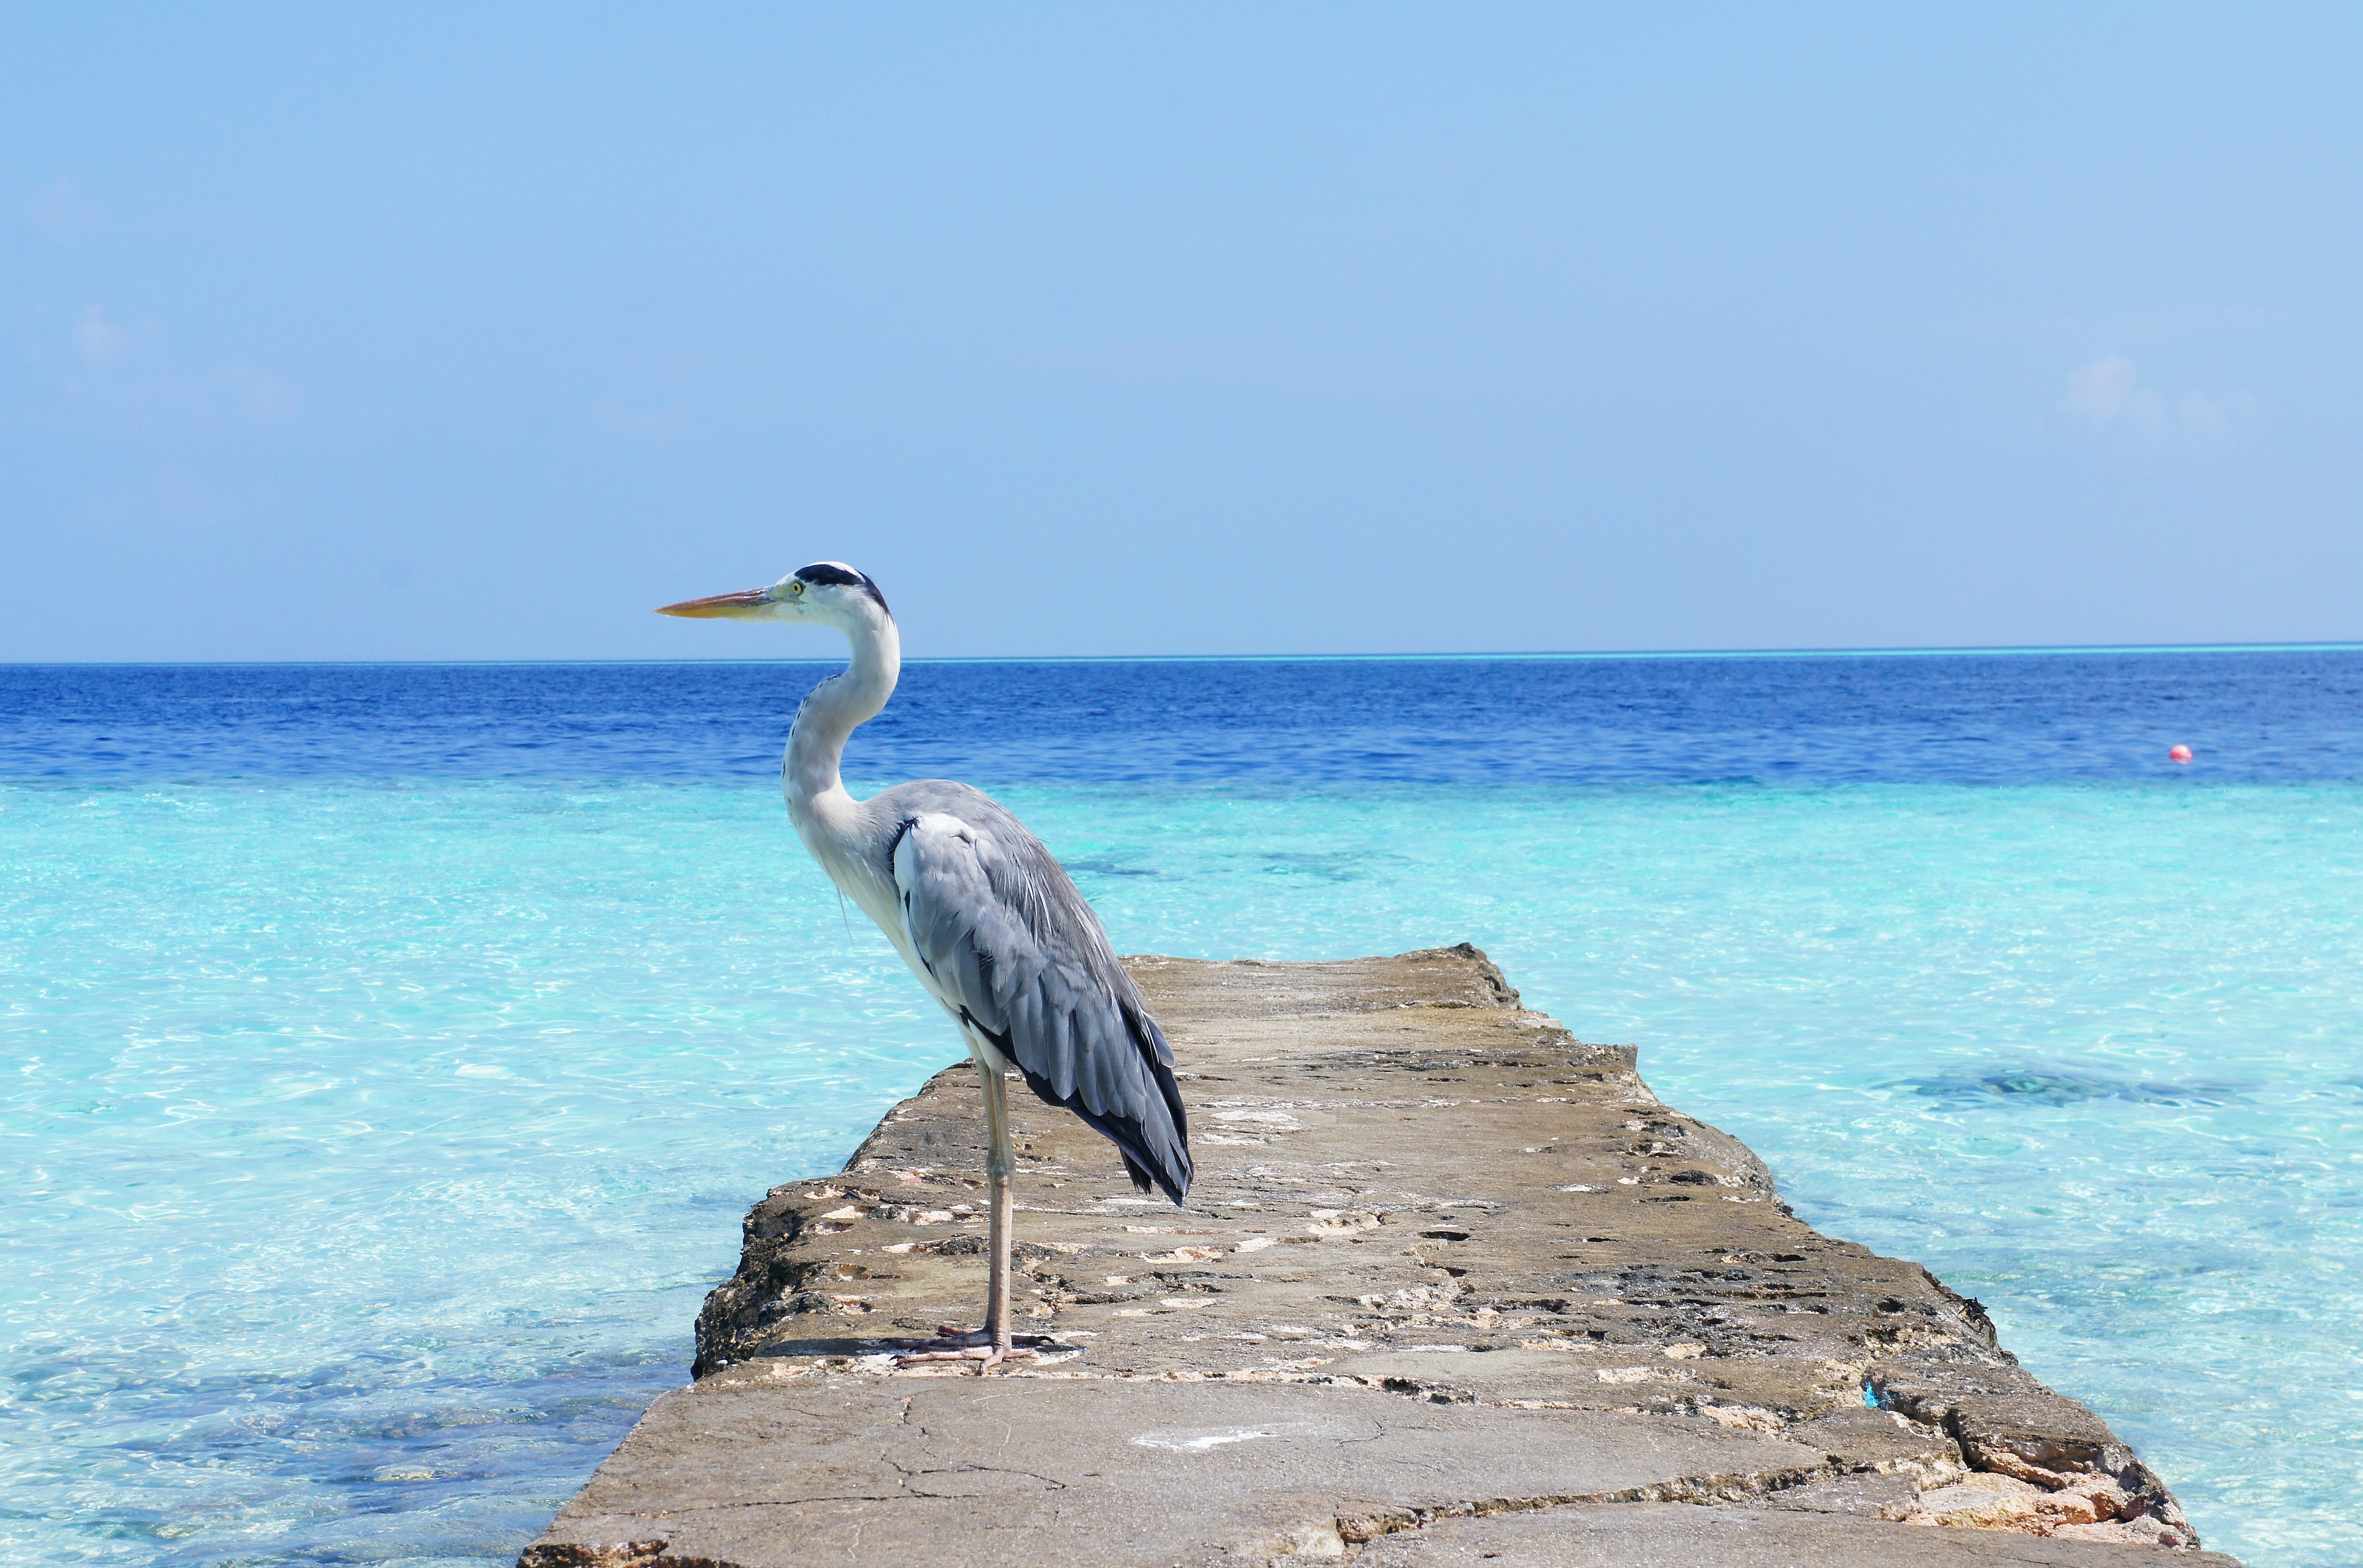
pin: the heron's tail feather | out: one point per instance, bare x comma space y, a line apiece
1155, 1152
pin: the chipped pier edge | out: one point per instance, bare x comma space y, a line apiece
1417, 1193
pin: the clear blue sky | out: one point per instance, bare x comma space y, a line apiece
420, 332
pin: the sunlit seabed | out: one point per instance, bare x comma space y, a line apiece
370, 1147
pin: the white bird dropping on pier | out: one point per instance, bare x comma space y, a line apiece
984, 914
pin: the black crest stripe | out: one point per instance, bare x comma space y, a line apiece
836, 576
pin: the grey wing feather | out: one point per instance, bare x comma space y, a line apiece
1010, 942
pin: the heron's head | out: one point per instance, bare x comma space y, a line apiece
828, 592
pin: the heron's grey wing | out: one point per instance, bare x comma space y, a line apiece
1018, 954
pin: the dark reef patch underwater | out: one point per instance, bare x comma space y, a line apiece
2062, 1086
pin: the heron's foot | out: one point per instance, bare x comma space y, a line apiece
970, 1344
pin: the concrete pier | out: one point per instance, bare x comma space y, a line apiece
1452, 1286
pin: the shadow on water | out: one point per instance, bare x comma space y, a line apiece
2021, 1085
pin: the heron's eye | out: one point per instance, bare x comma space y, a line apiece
797, 589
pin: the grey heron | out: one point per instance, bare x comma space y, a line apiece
984, 915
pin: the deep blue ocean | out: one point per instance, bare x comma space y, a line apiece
388, 1053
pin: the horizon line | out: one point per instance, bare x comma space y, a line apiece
1964, 651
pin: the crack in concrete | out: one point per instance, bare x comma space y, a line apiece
1360, 1529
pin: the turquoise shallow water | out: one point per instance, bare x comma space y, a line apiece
372, 1144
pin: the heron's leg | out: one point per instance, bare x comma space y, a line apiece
999, 1159
994, 1343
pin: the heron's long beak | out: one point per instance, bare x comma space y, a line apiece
728, 606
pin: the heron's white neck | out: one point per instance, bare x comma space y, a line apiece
832, 710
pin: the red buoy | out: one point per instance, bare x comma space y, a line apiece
2179, 754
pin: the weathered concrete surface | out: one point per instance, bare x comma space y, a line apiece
1452, 1286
